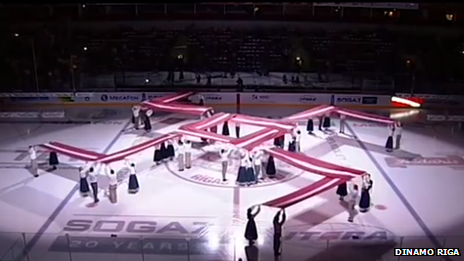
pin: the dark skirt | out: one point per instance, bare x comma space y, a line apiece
164, 151
251, 233
170, 151
84, 186
157, 156
270, 167
365, 200
225, 129
310, 125
326, 123
202, 102
133, 183
292, 146
342, 190
242, 175
389, 143
147, 123
250, 175
53, 159
277, 142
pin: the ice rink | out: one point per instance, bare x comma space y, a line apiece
192, 215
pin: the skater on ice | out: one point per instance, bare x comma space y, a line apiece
365, 200
389, 143
188, 154
251, 231
352, 199
53, 160
112, 184
133, 186
34, 164
278, 222
398, 133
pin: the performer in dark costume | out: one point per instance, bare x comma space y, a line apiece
251, 232
164, 152
242, 170
342, 191
250, 172
277, 142
170, 153
93, 179
270, 168
321, 120
225, 129
292, 145
84, 188
389, 143
133, 180
282, 141
53, 160
237, 130
201, 99
326, 123
278, 223
157, 157
146, 120
365, 200
310, 126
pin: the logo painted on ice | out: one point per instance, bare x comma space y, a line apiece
160, 236
450, 161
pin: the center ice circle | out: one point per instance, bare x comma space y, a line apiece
208, 173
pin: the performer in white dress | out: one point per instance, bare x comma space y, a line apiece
112, 185
224, 154
188, 154
352, 199
180, 151
258, 165
136, 116
34, 165
398, 133
298, 141
93, 179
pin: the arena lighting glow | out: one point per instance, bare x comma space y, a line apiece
404, 114
406, 102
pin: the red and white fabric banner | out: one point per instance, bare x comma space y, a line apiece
71, 151
365, 116
177, 108
173, 98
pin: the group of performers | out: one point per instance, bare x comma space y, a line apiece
141, 117
90, 174
181, 148
251, 231
353, 194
